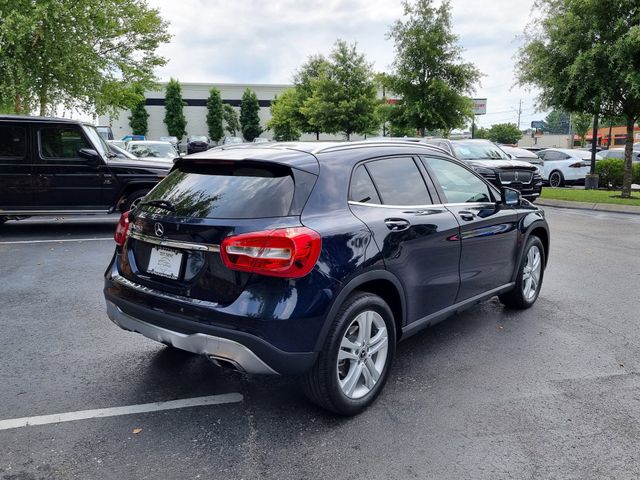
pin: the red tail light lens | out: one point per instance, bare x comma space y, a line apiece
285, 252
121, 230
578, 165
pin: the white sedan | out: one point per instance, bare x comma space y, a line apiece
563, 166
151, 149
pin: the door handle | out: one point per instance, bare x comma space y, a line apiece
397, 224
466, 215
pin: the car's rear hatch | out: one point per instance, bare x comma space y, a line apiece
175, 234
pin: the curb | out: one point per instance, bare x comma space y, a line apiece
600, 207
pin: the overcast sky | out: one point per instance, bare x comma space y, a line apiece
265, 41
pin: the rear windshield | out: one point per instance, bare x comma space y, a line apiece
227, 190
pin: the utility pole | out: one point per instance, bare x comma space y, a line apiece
519, 113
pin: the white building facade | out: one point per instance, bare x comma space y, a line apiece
195, 97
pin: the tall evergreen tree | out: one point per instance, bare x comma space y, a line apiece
429, 76
174, 114
249, 119
138, 121
215, 115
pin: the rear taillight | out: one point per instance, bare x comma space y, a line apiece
578, 165
121, 230
285, 252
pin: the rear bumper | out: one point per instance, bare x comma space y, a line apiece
217, 348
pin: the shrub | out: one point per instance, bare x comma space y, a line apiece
611, 171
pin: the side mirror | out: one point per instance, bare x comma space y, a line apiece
509, 196
89, 154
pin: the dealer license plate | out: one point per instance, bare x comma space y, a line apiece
165, 262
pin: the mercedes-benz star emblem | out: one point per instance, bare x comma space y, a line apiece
159, 229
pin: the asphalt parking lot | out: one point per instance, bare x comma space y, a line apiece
552, 392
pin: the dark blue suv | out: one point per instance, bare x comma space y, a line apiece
315, 259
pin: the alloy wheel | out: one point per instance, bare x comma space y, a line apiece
555, 179
362, 355
531, 273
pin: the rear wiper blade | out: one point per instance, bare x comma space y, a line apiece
166, 204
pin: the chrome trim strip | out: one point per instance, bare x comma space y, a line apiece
163, 295
52, 212
217, 347
415, 207
165, 242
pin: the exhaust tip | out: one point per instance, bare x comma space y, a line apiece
226, 364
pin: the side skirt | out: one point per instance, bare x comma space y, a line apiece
430, 320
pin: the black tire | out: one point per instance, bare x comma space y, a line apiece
132, 198
321, 384
518, 298
556, 179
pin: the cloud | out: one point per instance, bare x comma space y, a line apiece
256, 41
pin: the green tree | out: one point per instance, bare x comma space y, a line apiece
174, 114
138, 121
249, 118
557, 122
584, 56
581, 124
86, 54
283, 120
344, 96
504, 133
232, 123
214, 115
304, 82
481, 132
429, 75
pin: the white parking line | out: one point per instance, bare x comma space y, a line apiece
61, 240
117, 411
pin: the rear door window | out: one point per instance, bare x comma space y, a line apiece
399, 182
13, 144
227, 190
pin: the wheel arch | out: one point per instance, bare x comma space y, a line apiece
379, 282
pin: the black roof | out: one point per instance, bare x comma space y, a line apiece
29, 118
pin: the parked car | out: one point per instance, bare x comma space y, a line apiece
564, 166
54, 166
151, 149
129, 138
522, 154
491, 162
231, 140
172, 140
261, 140
618, 153
197, 143
315, 260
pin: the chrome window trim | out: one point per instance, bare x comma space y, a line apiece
165, 242
436, 205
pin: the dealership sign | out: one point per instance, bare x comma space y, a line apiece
479, 106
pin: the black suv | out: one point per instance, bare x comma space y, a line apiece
53, 166
492, 163
197, 143
316, 259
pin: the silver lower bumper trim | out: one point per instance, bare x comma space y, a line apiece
215, 347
